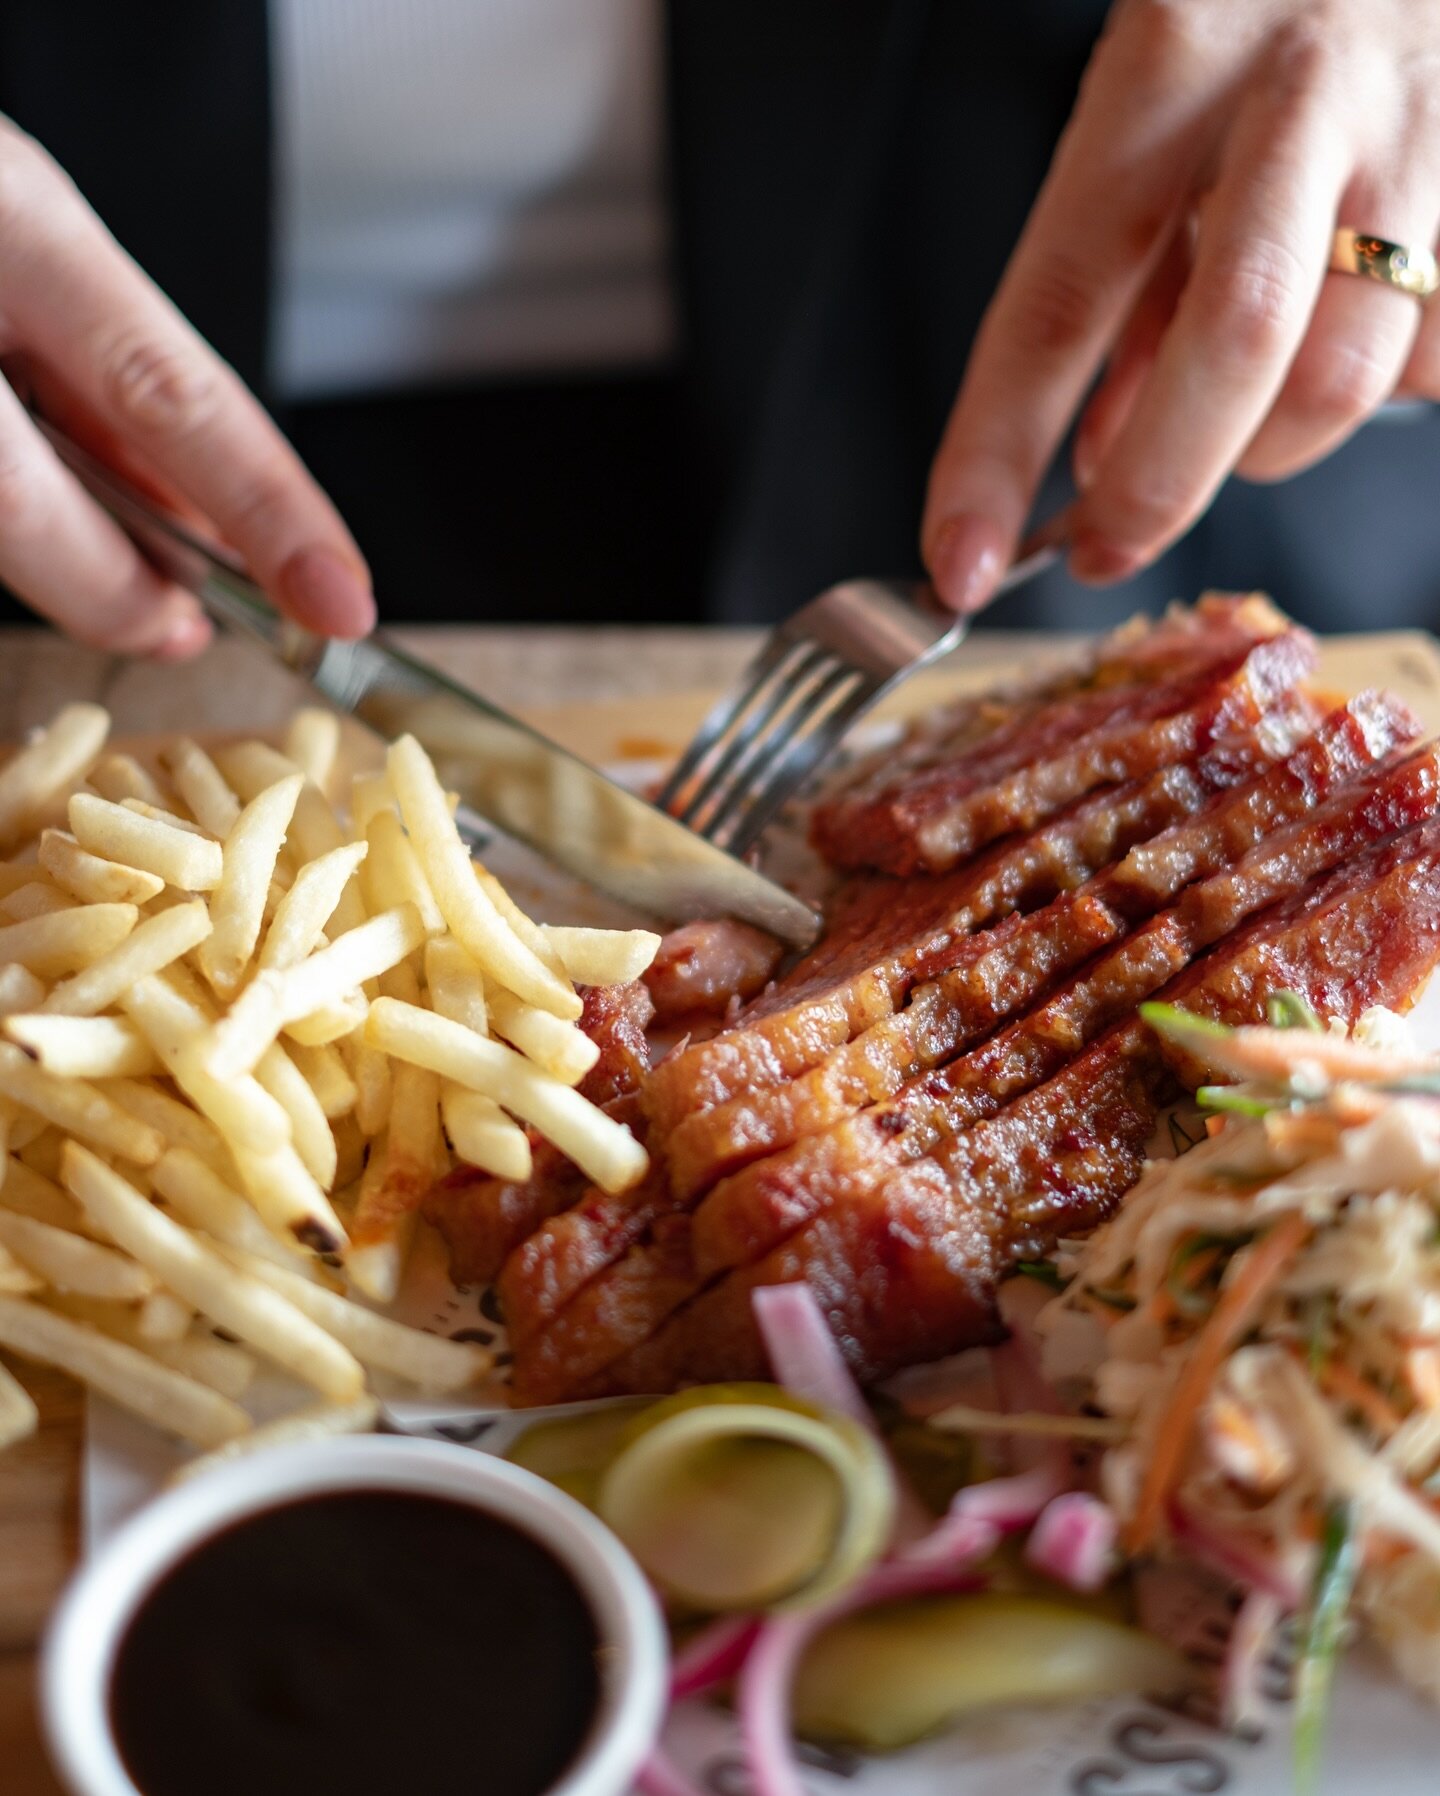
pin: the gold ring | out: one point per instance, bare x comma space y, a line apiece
1413, 271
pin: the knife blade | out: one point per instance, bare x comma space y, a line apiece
504, 772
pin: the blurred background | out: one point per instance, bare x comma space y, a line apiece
620, 311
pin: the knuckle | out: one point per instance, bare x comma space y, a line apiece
1341, 386
1248, 310
1308, 58
163, 389
1134, 516
1054, 307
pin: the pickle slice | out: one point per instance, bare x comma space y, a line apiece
889, 1676
573, 1451
744, 1497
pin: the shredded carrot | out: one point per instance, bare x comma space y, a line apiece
1227, 1322
1338, 1380
1160, 1307
1198, 1267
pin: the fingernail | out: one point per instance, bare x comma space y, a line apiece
967, 560
186, 637
1098, 562
325, 592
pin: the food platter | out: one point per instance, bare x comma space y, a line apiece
1115, 1749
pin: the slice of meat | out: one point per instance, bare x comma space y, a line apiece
482, 1219
885, 934
991, 976
839, 1146
1140, 651
745, 1218
705, 969
936, 818
910, 1274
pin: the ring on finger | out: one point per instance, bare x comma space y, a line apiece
1411, 270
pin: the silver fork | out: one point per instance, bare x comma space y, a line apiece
816, 674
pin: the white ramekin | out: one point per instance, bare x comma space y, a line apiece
80, 1645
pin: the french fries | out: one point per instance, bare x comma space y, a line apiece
197, 1273
129, 1377
42, 772
225, 1009
180, 856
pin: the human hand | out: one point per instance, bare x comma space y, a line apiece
1181, 239
114, 363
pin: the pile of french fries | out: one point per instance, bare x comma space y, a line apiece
242, 1032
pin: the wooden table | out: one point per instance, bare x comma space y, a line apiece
599, 691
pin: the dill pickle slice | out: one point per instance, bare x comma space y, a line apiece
744, 1497
889, 1676
573, 1451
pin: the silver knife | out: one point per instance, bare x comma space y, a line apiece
504, 771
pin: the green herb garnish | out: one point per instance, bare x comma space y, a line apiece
1044, 1272
1324, 1624
1288, 1010
1240, 1101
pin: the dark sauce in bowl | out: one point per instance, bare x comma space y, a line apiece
361, 1642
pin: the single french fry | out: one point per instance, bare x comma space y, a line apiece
160, 813
385, 1211
18, 1414
324, 1070
177, 1029
77, 1107
128, 1377
285, 1194
300, 917
118, 777
455, 984
175, 1122
602, 1148
201, 786
73, 1262
186, 1266
557, 1048
84, 1047
163, 1317
20, 990
29, 1193
317, 1421
236, 910
603, 956
49, 766
482, 1135
330, 1023
153, 945
273, 1000
473, 919
370, 793
314, 829
175, 854
198, 1353
201, 1198
278, 1074
392, 874
38, 899
89, 878
312, 742
428, 1361
16, 1279
529, 931
67, 939
371, 1072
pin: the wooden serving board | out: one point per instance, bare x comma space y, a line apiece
39, 1479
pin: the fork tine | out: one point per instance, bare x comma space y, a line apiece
752, 780
721, 717
735, 752
804, 755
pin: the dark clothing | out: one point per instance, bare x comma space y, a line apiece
847, 178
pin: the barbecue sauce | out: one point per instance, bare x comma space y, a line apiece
364, 1642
